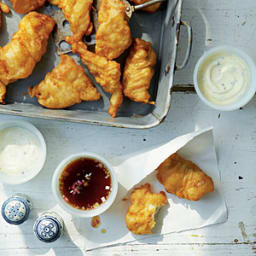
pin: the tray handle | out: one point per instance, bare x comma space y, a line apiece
146, 4
189, 48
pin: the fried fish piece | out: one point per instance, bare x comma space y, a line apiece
64, 86
2, 92
25, 6
144, 205
3, 8
152, 8
184, 178
113, 36
19, 57
107, 73
77, 13
138, 71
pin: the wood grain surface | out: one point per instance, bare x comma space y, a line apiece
214, 23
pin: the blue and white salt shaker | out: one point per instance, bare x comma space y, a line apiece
16, 209
48, 227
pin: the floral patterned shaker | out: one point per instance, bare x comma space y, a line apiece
16, 209
48, 227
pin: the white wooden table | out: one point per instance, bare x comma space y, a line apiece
214, 22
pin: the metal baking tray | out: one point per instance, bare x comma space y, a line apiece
161, 28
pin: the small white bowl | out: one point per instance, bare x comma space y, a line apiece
79, 212
251, 89
19, 179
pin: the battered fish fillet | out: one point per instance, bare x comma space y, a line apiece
77, 13
107, 73
65, 86
138, 71
113, 36
25, 6
183, 178
144, 205
151, 8
3, 8
19, 57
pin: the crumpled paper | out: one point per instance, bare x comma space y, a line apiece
178, 215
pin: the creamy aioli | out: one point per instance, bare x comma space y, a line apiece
224, 78
20, 151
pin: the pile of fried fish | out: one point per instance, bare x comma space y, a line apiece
68, 84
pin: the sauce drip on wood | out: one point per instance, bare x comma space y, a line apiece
85, 183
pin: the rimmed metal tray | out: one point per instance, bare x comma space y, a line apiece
161, 28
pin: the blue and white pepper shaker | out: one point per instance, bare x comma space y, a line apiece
16, 209
48, 227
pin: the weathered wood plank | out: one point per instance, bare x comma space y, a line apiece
167, 250
235, 135
214, 23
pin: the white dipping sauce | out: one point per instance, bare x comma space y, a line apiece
224, 78
20, 151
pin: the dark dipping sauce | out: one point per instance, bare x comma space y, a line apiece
85, 183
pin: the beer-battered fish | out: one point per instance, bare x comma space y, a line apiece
113, 36
151, 8
19, 57
183, 178
77, 13
138, 71
3, 8
144, 205
25, 6
65, 86
107, 73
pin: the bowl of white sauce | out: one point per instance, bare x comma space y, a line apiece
22, 152
225, 78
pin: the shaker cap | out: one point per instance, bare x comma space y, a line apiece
48, 228
16, 210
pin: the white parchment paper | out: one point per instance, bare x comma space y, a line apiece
178, 215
